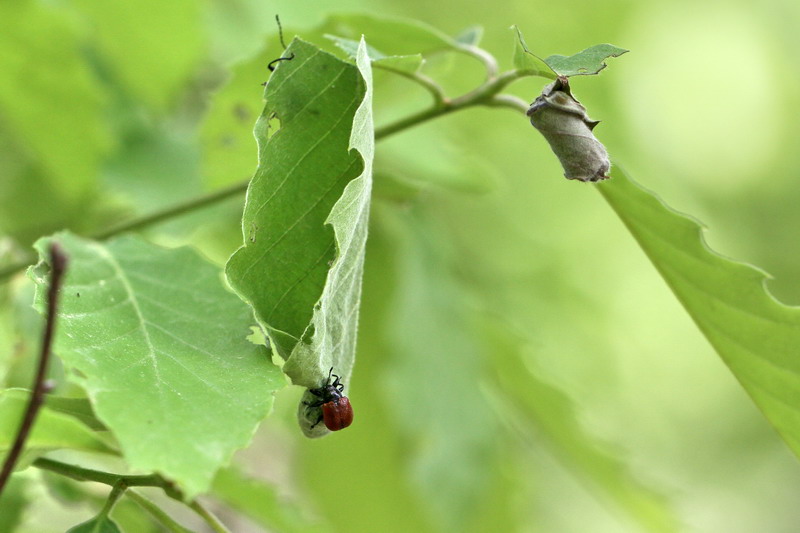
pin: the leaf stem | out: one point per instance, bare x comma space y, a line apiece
174, 210
486, 94
117, 491
484, 57
155, 511
146, 220
58, 262
80, 473
209, 517
427, 83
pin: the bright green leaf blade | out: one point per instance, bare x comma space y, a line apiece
98, 524
756, 336
262, 503
586, 62
51, 430
393, 36
160, 347
536, 403
304, 169
528, 62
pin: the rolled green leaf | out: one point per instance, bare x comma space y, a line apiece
566, 126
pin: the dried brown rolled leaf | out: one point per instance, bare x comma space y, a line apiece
566, 126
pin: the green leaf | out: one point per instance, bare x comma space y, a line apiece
405, 64
393, 36
51, 430
160, 347
261, 503
756, 336
528, 62
531, 400
589, 61
309, 200
98, 524
79, 408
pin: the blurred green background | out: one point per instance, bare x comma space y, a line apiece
484, 262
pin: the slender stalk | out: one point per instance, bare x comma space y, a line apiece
426, 82
146, 220
116, 492
209, 517
488, 60
509, 101
80, 473
156, 512
58, 262
174, 210
486, 94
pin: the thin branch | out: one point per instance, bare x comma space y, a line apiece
427, 83
174, 210
209, 517
58, 262
118, 490
79, 473
506, 100
488, 60
156, 512
146, 220
486, 94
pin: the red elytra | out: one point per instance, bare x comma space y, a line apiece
337, 413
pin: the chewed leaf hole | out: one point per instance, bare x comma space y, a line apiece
273, 125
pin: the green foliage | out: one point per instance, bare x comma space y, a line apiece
499, 306
51, 430
586, 62
99, 524
308, 179
160, 347
529, 62
755, 335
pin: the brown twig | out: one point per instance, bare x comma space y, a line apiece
58, 262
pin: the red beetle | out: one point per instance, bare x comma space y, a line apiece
337, 413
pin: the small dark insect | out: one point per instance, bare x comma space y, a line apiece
271, 65
337, 413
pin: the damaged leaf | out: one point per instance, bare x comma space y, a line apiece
566, 126
586, 62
